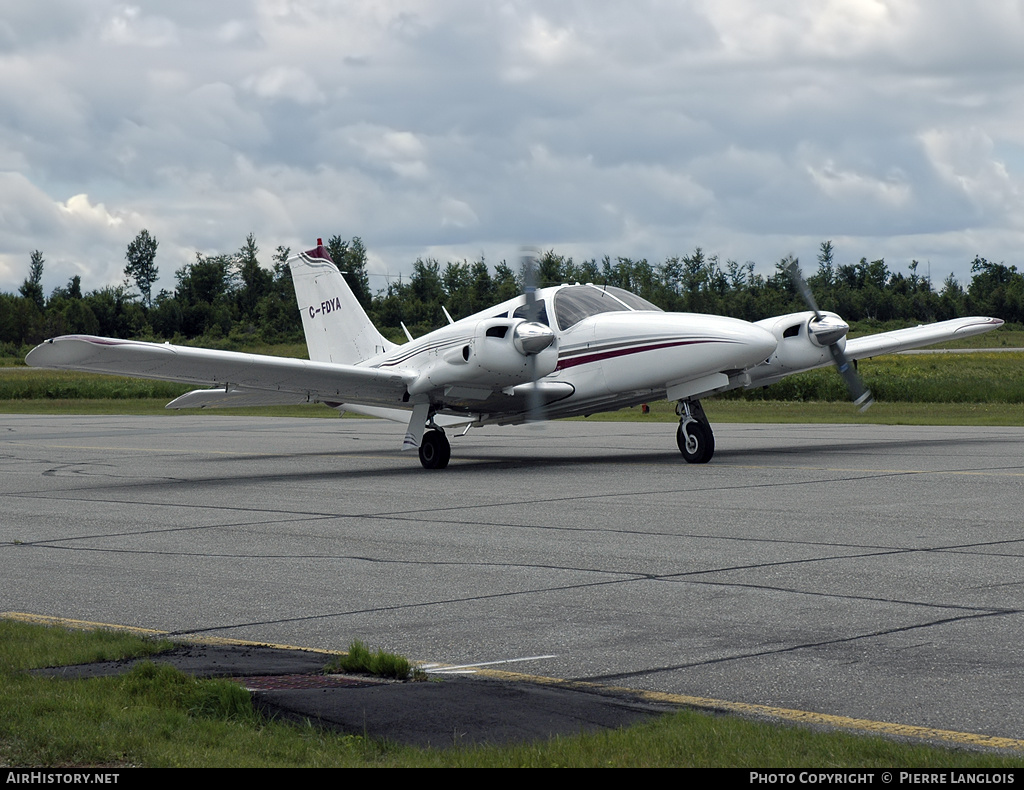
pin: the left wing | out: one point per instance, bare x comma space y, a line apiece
257, 377
917, 336
798, 350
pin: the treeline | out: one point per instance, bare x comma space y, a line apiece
236, 298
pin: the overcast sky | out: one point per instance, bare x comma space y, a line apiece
461, 128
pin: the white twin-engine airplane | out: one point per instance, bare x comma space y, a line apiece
552, 352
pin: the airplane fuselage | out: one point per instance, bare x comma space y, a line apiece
609, 357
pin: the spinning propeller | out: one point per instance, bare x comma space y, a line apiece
531, 337
828, 331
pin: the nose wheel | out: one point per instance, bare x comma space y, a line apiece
435, 451
694, 435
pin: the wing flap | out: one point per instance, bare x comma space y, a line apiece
311, 380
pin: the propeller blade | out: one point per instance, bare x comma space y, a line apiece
528, 264
534, 402
860, 394
834, 332
795, 276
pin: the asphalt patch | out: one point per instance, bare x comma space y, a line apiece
441, 712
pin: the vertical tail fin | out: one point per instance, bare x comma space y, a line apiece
336, 326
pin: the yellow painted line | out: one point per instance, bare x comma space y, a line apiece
782, 714
81, 625
701, 703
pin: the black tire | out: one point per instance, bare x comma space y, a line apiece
701, 434
435, 451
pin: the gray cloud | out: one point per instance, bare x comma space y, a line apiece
453, 128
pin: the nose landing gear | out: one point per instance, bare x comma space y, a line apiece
694, 435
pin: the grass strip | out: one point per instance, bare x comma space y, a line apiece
155, 716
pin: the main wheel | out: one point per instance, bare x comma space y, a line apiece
435, 451
696, 442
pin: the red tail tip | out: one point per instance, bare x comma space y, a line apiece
320, 252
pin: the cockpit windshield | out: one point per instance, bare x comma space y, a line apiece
576, 302
631, 299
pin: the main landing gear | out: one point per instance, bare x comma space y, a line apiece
694, 436
435, 451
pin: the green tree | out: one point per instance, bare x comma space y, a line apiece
350, 258
253, 280
21, 321
115, 311
504, 283
165, 317
141, 266
552, 269
204, 294
481, 288
952, 299
32, 288
826, 263
996, 289
278, 311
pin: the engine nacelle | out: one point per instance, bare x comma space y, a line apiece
495, 358
803, 343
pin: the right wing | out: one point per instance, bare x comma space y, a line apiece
252, 377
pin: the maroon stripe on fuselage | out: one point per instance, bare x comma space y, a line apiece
621, 352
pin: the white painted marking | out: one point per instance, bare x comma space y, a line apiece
467, 669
